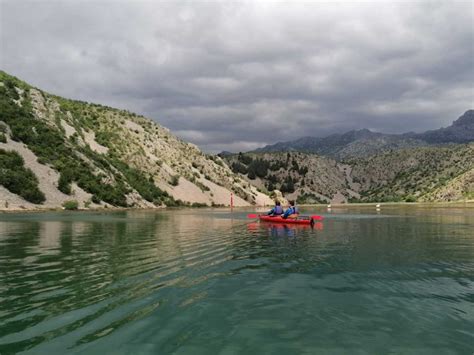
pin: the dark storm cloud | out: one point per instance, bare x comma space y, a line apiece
237, 76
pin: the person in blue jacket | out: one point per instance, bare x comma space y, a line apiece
292, 211
277, 210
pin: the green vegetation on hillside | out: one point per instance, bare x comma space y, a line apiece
108, 184
71, 205
124, 159
411, 174
18, 179
119, 157
299, 173
404, 175
143, 185
309, 198
48, 144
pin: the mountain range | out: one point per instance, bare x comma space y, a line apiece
363, 143
56, 152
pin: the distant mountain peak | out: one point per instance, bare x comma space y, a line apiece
364, 142
461, 131
467, 119
361, 133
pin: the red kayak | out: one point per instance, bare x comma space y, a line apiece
279, 219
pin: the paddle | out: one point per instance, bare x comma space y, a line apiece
315, 217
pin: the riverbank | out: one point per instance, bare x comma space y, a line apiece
382, 204
441, 204
62, 209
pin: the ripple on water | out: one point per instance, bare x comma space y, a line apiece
189, 282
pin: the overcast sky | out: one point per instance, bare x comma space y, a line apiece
236, 76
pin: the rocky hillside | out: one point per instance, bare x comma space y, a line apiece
365, 143
307, 178
56, 152
412, 174
419, 174
67, 150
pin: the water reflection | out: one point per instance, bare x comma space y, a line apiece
282, 229
85, 281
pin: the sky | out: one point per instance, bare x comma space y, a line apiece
239, 75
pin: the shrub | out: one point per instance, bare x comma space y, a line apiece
288, 186
18, 179
309, 198
201, 186
278, 165
104, 138
258, 167
64, 182
71, 205
199, 204
246, 159
295, 165
239, 168
251, 175
146, 188
174, 180
270, 186
303, 170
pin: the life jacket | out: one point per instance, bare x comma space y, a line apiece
278, 210
291, 212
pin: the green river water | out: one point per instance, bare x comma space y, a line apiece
202, 281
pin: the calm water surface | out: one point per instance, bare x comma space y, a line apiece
209, 282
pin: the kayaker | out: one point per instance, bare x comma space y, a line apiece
277, 210
292, 211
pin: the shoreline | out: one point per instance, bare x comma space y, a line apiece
61, 209
391, 204
454, 204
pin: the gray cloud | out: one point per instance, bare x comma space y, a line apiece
238, 76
